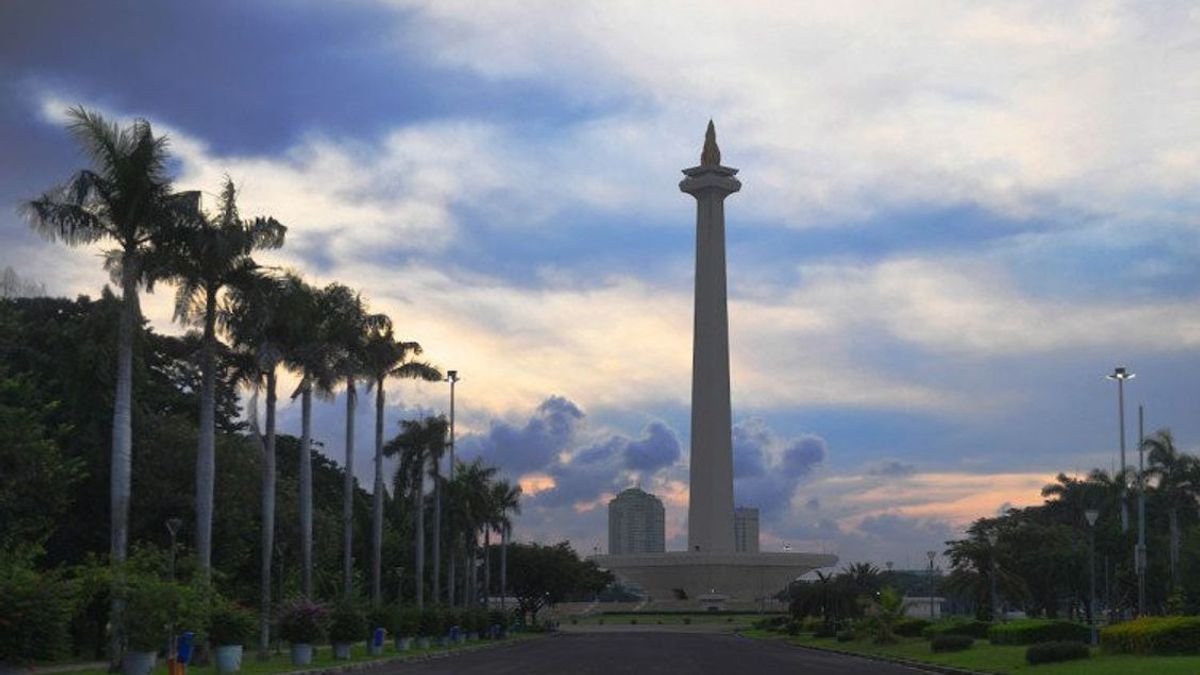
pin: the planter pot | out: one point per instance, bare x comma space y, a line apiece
341, 651
443, 641
229, 658
374, 649
423, 643
302, 654
471, 637
138, 663
403, 644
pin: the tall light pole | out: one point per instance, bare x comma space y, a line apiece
1092, 515
1140, 551
1120, 374
993, 537
932, 555
452, 377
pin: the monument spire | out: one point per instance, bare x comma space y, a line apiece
710, 504
711, 154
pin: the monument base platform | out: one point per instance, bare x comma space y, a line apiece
712, 580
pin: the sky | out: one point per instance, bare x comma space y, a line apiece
955, 219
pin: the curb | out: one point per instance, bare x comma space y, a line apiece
415, 658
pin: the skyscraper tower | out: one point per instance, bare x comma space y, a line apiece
710, 505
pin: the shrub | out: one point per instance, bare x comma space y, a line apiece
1053, 652
379, 617
687, 620
153, 606
633, 622
430, 624
825, 632
230, 624
845, 636
347, 623
1031, 631
910, 627
791, 628
968, 627
497, 618
771, 623
951, 642
812, 624
302, 621
1153, 635
35, 613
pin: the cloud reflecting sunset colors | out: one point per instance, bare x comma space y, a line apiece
956, 218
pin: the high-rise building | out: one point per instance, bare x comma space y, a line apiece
745, 529
636, 523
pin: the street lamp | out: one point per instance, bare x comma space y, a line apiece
993, 537
1120, 374
932, 555
452, 377
1139, 552
173, 528
1092, 515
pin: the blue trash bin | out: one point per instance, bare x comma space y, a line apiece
378, 641
183, 646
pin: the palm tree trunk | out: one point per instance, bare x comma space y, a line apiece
450, 577
268, 523
121, 472
487, 566
306, 492
348, 493
437, 529
504, 535
419, 538
1174, 523
377, 502
206, 459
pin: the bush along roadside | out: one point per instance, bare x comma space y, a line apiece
951, 642
1032, 631
1053, 652
969, 627
1153, 635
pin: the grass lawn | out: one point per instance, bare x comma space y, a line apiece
650, 618
322, 658
991, 658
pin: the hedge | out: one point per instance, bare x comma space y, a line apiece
910, 627
951, 642
968, 627
35, 613
1053, 652
1153, 635
1032, 631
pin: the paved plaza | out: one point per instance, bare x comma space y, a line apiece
647, 653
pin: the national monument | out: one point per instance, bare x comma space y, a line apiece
711, 572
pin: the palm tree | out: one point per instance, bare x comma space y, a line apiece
470, 490
312, 355
506, 502
420, 445
349, 326
1175, 472
384, 356
258, 320
126, 199
208, 255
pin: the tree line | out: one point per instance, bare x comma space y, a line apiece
78, 371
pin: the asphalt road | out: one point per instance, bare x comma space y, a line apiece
646, 653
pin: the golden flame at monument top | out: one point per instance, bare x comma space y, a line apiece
711, 154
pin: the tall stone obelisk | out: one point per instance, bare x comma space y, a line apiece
710, 504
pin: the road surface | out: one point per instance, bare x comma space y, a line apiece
646, 653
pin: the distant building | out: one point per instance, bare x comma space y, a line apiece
636, 523
745, 530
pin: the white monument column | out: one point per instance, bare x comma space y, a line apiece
710, 504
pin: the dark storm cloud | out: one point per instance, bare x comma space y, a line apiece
531, 446
657, 448
767, 483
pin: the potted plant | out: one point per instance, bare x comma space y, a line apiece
479, 624
348, 624
429, 628
153, 609
302, 623
379, 621
406, 626
497, 623
229, 627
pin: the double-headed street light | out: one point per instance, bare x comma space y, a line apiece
1091, 515
1120, 374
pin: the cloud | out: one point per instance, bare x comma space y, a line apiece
658, 448
891, 467
768, 468
529, 446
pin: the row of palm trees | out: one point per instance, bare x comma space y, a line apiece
271, 320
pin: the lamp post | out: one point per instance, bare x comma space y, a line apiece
1139, 552
452, 377
1092, 515
1120, 374
932, 555
993, 537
